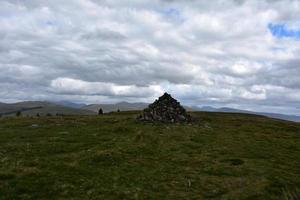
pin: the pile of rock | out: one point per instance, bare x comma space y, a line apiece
165, 109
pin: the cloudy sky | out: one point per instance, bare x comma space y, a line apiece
236, 53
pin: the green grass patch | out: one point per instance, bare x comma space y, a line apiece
219, 156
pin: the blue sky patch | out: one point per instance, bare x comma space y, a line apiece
173, 13
283, 31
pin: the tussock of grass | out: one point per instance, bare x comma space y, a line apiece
290, 193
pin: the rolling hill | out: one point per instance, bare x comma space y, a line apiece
70, 108
294, 118
70, 104
122, 106
125, 106
31, 108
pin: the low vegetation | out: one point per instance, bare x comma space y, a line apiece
111, 156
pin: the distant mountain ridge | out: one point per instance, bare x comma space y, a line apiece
294, 118
69, 108
122, 106
70, 104
32, 108
125, 106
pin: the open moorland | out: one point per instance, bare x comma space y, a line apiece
112, 156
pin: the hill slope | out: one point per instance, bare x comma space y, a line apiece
70, 104
232, 110
224, 156
31, 108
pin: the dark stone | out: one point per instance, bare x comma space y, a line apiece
165, 109
234, 161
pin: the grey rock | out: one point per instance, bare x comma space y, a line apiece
34, 126
165, 109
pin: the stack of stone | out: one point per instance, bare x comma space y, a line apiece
165, 109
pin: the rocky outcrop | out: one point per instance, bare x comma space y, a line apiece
165, 109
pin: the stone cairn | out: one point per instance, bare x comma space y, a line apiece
165, 109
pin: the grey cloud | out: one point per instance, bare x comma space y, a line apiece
216, 52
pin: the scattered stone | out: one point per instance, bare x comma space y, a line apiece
165, 109
34, 125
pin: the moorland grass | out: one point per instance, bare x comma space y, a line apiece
220, 156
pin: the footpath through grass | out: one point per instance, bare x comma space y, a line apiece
223, 156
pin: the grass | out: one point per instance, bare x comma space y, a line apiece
223, 156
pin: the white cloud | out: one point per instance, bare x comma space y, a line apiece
204, 52
79, 87
245, 68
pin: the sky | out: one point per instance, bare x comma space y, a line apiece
234, 53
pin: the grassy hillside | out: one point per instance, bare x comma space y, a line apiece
31, 108
223, 156
293, 118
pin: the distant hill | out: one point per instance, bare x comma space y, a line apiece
31, 108
122, 106
232, 110
69, 108
70, 104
